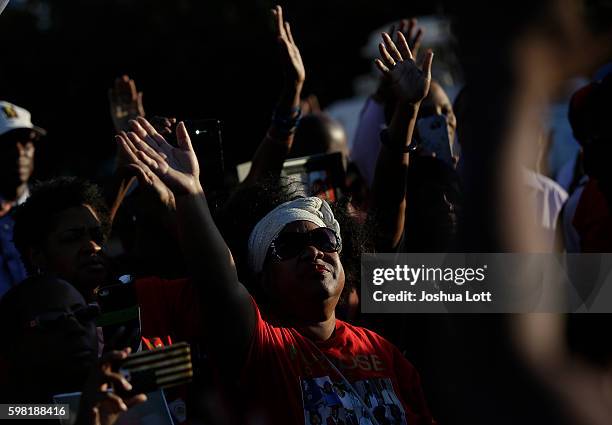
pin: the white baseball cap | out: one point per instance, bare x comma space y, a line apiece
3, 4
13, 117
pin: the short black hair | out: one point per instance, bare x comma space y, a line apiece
36, 217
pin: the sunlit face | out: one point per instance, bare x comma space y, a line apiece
60, 350
72, 250
308, 286
437, 103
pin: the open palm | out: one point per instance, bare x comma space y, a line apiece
408, 82
295, 73
176, 167
125, 103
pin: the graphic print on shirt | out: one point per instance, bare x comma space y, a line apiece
328, 402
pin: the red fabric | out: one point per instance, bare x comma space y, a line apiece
168, 308
281, 359
593, 220
169, 311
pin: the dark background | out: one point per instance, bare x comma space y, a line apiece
217, 59
192, 59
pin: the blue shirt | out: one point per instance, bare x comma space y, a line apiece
12, 270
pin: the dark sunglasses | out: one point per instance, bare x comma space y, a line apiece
291, 244
54, 319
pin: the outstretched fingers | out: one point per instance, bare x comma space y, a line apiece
403, 46
280, 26
288, 31
182, 137
387, 60
426, 67
149, 134
145, 153
391, 48
136, 165
416, 41
126, 147
381, 66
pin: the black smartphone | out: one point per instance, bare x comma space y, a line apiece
120, 314
433, 137
205, 135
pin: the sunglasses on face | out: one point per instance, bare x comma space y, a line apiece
55, 319
291, 244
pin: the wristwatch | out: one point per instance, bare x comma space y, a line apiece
385, 139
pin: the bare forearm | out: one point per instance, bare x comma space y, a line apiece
389, 188
204, 247
226, 305
275, 147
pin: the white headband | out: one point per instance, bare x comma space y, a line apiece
311, 209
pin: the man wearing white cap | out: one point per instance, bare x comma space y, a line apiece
17, 137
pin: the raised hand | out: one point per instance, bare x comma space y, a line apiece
408, 82
151, 155
125, 103
294, 70
412, 33
99, 405
164, 125
145, 176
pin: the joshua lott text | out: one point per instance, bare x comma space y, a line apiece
440, 296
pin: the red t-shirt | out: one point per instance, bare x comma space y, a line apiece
286, 380
168, 308
169, 311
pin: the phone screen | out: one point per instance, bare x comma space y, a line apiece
208, 145
120, 315
433, 137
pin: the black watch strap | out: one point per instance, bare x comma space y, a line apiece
385, 139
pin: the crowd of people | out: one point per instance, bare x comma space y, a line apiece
261, 277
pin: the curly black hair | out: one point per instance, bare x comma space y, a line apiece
36, 217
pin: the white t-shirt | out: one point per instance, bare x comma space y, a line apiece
549, 199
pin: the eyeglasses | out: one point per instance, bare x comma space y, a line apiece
54, 319
291, 244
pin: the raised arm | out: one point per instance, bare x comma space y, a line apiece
228, 312
374, 114
410, 85
275, 147
125, 103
